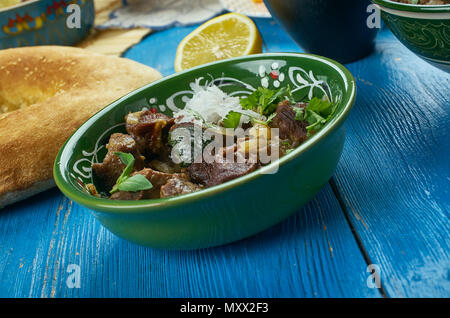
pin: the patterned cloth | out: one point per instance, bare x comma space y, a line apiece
162, 14
255, 9
111, 41
120, 24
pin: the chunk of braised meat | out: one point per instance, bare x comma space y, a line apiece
125, 195
150, 130
177, 186
164, 164
157, 179
217, 172
111, 168
290, 129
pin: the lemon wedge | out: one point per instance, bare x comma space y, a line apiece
228, 35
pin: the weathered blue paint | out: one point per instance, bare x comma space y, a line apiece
392, 188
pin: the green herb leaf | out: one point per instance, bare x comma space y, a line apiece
269, 119
135, 183
280, 95
289, 151
265, 100
232, 120
128, 160
317, 113
125, 182
315, 120
299, 113
250, 102
320, 106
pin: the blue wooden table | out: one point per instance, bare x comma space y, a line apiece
387, 206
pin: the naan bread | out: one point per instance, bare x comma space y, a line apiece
46, 93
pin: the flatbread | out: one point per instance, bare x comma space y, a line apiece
46, 93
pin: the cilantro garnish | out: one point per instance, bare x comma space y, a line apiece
232, 120
130, 183
266, 123
317, 113
265, 100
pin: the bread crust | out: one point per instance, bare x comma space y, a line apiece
61, 87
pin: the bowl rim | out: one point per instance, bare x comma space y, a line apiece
437, 8
141, 206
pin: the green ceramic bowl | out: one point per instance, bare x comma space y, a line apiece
424, 29
235, 209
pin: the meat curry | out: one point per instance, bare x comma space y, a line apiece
146, 161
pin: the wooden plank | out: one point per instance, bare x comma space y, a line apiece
27, 239
311, 254
394, 176
275, 38
159, 49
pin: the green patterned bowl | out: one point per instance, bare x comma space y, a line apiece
235, 209
424, 29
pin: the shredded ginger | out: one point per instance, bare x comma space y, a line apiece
213, 105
